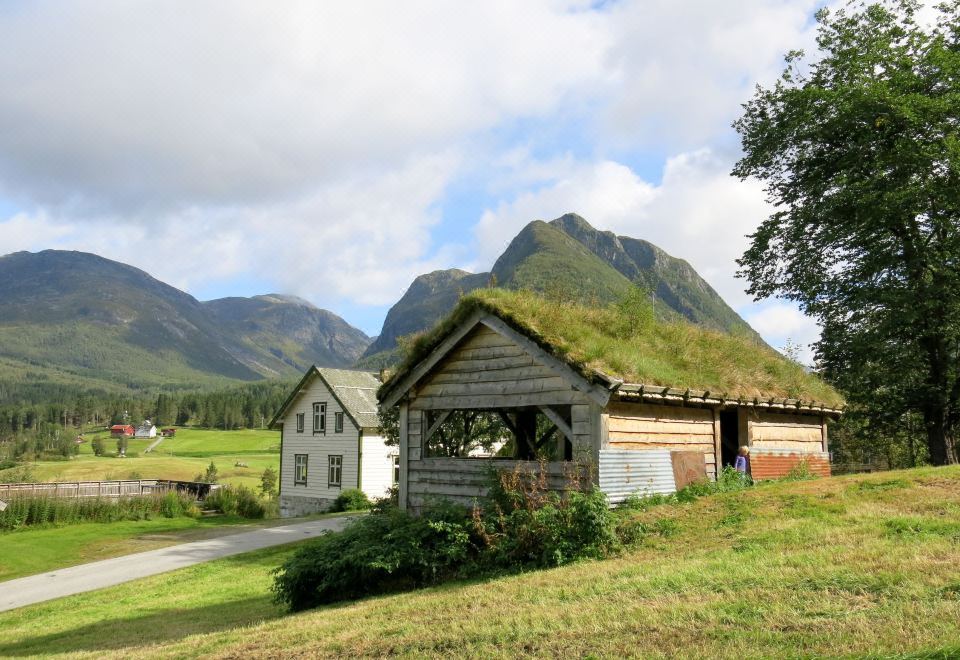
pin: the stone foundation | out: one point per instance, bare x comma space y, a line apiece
292, 506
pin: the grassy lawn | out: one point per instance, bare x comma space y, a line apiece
181, 458
31, 551
850, 566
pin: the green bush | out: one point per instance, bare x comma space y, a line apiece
379, 553
352, 499
237, 501
36, 510
522, 525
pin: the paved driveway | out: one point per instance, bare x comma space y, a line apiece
106, 573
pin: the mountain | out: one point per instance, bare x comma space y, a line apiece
80, 318
292, 330
567, 258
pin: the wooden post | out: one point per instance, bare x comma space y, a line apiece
823, 434
404, 446
717, 446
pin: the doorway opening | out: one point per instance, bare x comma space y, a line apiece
729, 437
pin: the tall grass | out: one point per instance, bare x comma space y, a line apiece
38, 510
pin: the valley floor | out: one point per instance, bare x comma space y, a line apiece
849, 566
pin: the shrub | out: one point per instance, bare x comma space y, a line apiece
352, 499
376, 554
97, 446
268, 482
800, 472
237, 501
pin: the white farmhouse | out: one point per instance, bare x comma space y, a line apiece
146, 430
329, 441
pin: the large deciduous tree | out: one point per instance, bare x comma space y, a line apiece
860, 153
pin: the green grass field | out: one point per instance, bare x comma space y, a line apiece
182, 457
849, 566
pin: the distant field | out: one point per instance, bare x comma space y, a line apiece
854, 566
182, 457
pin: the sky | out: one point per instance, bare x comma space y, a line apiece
335, 151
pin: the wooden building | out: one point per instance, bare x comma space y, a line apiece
517, 357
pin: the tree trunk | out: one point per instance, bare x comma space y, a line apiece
939, 439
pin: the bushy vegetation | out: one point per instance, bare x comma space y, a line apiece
240, 501
34, 510
352, 499
521, 525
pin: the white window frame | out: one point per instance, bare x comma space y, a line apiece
300, 465
396, 469
301, 423
338, 422
335, 471
320, 417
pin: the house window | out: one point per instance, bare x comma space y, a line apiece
396, 469
320, 418
300, 469
300, 417
336, 471
338, 422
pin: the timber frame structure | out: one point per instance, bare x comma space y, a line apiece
624, 437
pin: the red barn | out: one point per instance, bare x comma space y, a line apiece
122, 431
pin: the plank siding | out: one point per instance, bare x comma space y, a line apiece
636, 426
489, 370
802, 433
464, 480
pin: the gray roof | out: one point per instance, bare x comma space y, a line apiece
357, 393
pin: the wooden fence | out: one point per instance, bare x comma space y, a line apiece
127, 488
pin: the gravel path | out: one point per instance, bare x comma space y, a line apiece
109, 572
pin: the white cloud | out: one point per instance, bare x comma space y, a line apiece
780, 322
152, 105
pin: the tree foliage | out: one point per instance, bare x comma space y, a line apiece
860, 153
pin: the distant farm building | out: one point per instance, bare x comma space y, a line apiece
330, 441
168, 433
146, 430
122, 431
632, 410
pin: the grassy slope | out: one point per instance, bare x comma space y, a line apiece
31, 551
844, 566
674, 354
181, 457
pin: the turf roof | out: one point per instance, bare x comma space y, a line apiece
628, 344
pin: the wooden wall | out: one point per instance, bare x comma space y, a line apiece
488, 370
463, 480
801, 433
643, 426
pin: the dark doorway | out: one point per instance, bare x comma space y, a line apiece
729, 437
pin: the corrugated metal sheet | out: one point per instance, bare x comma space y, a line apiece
775, 463
624, 472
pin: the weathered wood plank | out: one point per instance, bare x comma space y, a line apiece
621, 425
489, 364
616, 436
803, 446
558, 421
484, 353
766, 432
786, 419
533, 385
514, 374
650, 411
492, 401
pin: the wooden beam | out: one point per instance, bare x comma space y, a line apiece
444, 414
717, 446
505, 418
558, 421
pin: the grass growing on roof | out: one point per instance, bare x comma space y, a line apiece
626, 342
